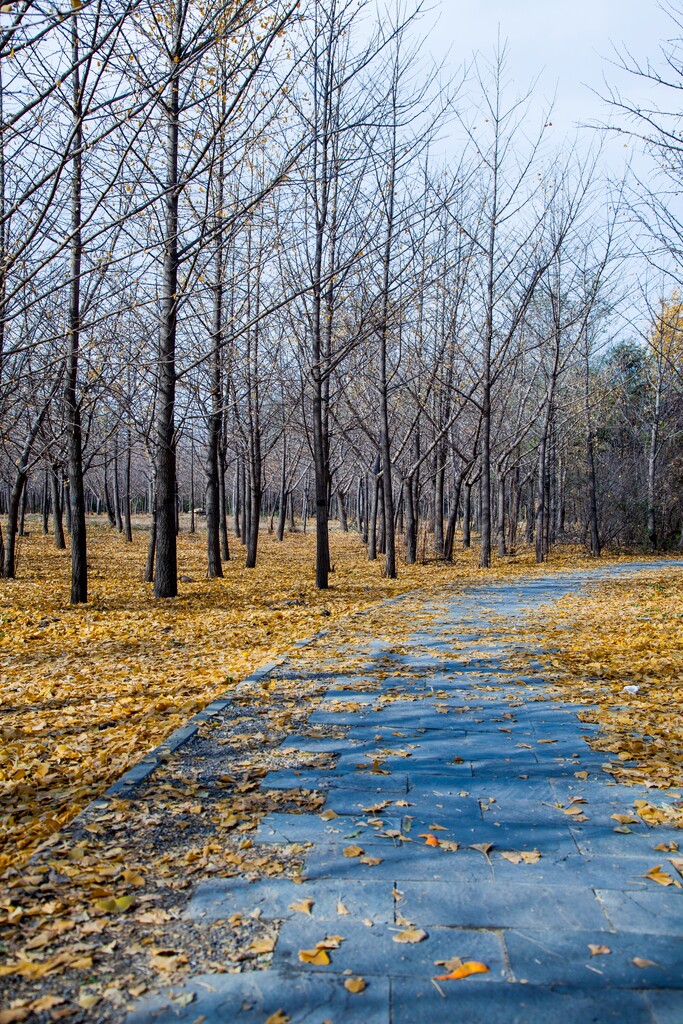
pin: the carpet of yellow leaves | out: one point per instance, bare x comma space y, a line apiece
87, 691
628, 634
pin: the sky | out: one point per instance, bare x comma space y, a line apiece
565, 44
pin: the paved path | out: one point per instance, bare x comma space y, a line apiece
488, 764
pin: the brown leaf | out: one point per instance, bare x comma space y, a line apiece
484, 848
641, 962
678, 864
410, 935
353, 851
657, 875
341, 909
279, 1017
264, 945
355, 985
430, 840
328, 815
598, 950
303, 906
371, 861
317, 957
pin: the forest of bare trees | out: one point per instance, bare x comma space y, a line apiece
243, 276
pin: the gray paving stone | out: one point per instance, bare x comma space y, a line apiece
252, 997
413, 861
216, 899
564, 958
479, 1003
666, 1005
646, 913
372, 951
594, 872
501, 905
287, 779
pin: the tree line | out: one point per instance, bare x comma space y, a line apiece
241, 273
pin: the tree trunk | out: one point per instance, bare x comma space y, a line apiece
282, 502
117, 495
255, 495
166, 562
304, 505
222, 512
652, 469
126, 505
79, 565
341, 512
467, 517
449, 542
236, 499
107, 497
372, 530
152, 542
410, 521
193, 521
57, 526
500, 525
439, 502
541, 510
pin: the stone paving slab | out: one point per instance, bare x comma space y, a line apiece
257, 995
646, 913
372, 951
489, 764
502, 904
514, 1004
563, 958
219, 898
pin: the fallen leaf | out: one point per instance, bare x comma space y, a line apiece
341, 909
303, 906
464, 971
265, 945
87, 1000
317, 957
410, 935
371, 861
115, 905
450, 845
598, 950
279, 1017
484, 848
657, 875
167, 959
355, 985
353, 851
640, 961
46, 1003
430, 840
328, 815
678, 864
185, 998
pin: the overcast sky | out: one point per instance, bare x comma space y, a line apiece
567, 42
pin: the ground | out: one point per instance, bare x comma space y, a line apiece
101, 918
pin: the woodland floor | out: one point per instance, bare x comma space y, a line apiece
99, 919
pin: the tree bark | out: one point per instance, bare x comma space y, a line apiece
166, 563
79, 566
